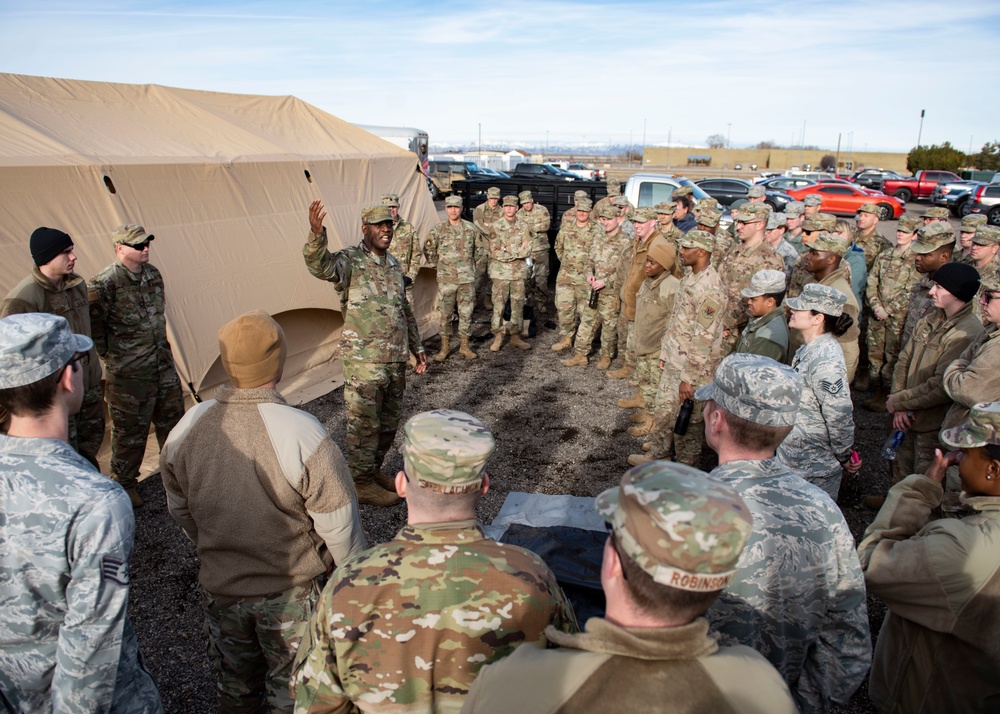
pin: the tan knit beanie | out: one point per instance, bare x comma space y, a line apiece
253, 349
663, 252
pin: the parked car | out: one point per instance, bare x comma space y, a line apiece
845, 199
919, 186
487, 171
986, 201
727, 191
784, 183
872, 178
955, 195
527, 169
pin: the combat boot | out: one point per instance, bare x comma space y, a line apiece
497, 342
516, 341
642, 429
133, 496
564, 344
620, 373
577, 360
386, 481
604, 363
639, 459
647, 445
862, 381
636, 402
876, 403
874, 502
639, 417
463, 349
371, 493
445, 345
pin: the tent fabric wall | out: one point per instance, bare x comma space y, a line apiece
224, 182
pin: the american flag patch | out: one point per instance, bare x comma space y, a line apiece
114, 570
832, 387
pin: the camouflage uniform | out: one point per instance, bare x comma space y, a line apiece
510, 246
739, 266
453, 250
985, 236
872, 245
130, 334
929, 238
691, 350
405, 626
607, 255
405, 245
788, 253
36, 294
66, 641
483, 217
686, 532
378, 334
573, 246
890, 284
538, 220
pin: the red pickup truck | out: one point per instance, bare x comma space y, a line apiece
919, 187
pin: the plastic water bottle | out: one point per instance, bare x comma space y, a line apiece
892, 444
684, 418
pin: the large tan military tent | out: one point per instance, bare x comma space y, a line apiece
224, 182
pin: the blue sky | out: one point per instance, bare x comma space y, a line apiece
578, 71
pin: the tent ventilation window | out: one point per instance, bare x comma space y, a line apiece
309, 177
110, 184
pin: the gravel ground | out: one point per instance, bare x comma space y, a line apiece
557, 432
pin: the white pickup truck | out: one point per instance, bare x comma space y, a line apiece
580, 170
650, 189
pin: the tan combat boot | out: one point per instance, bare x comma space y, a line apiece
373, 494
642, 429
465, 351
874, 502
620, 373
497, 342
604, 363
639, 417
639, 459
133, 496
386, 481
516, 341
576, 360
445, 345
635, 402
647, 445
564, 344
876, 403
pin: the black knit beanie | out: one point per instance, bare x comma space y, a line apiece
47, 243
960, 279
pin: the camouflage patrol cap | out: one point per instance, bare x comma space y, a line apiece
756, 191
614, 187
493, 192
710, 217
609, 211
453, 201
980, 428
752, 212
525, 197
794, 209
577, 195
446, 450
375, 214
776, 220
510, 200
765, 282
820, 298
390, 200
908, 224
868, 208
682, 191
34, 345
708, 202
971, 222
584, 204
819, 222
697, 239
813, 199
755, 388
933, 236
130, 234
665, 207
986, 235
829, 242
619, 201
680, 525
936, 212
644, 214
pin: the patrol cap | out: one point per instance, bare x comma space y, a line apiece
609, 211
453, 201
908, 224
614, 187
986, 235
375, 214
493, 192
584, 204
510, 200
765, 282
662, 251
619, 201
820, 298
972, 221
391, 200
813, 199
680, 525
933, 236
776, 220
794, 209
756, 191
709, 217
682, 191
708, 202
960, 279
34, 345
819, 222
752, 212
697, 239
936, 212
868, 208
525, 197
446, 450
644, 214
577, 195
755, 388
665, 207
828, 242
980, 428
131, 234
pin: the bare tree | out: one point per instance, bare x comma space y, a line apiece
828, 162
716, 141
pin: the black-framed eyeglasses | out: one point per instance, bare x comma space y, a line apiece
989, 297
614, 544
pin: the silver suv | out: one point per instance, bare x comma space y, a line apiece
986, 201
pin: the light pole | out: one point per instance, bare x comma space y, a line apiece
480, 141
729, 133
921, 130
643, 142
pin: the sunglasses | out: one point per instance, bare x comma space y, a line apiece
138, 246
